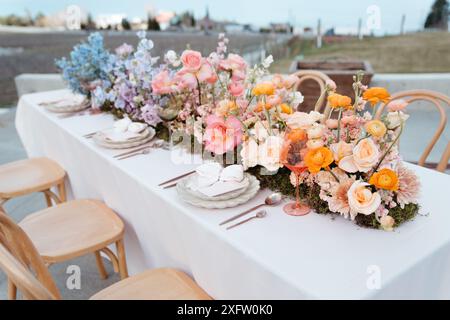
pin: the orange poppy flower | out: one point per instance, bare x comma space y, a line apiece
264, 88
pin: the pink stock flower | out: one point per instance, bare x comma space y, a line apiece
162, 84
192, 60
222, 135
236, 89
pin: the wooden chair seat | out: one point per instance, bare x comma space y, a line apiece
72, 229
158, 284
26, 176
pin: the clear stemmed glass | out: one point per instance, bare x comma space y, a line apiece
292, 158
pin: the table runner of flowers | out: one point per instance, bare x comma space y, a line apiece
229, 111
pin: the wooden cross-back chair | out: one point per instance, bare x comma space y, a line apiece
321, 79
18, 257
26, 269
437, 100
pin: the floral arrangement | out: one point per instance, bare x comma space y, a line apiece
89, 63
345, 160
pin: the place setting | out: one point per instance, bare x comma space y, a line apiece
211, 186
73, 105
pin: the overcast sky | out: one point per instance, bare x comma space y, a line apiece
334, 13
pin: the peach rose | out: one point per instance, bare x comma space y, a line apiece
397, 105
365, 156
331, 123
315, 131
362, 200
315, 143
192, 60
341, 149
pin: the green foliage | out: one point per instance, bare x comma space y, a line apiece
438, 17
280, 182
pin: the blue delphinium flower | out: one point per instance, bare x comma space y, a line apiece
88, 62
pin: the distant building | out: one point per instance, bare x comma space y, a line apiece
109, 21
281, 27
206, 24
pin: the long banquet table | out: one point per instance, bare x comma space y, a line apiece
278, 257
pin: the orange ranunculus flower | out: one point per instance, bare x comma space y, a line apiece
285, 108
264, 88
385, 179
376, 128
339, 101
317, 159
296, 135
376, 94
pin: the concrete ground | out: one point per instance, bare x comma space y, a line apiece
11, 149
416, 136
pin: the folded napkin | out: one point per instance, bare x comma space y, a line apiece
125, 129
212, 179
122, 125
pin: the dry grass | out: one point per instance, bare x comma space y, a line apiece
412, 53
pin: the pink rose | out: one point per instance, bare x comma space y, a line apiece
192, 60
185, 80
236, 89
233, 62
397, 105
222, 135
162, 84
206, 73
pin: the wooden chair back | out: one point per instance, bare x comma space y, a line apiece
22, 263
437, 100
321, 79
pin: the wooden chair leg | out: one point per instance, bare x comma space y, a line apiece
100, 266
62, 192
12, 290
122, 259
48, 200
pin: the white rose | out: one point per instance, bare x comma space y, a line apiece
395, 119
364, 157
362, 200
260, 131
249, 154
269, 153
314, 143
300, 120
316, 131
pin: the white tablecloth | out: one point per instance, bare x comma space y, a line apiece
279, 257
